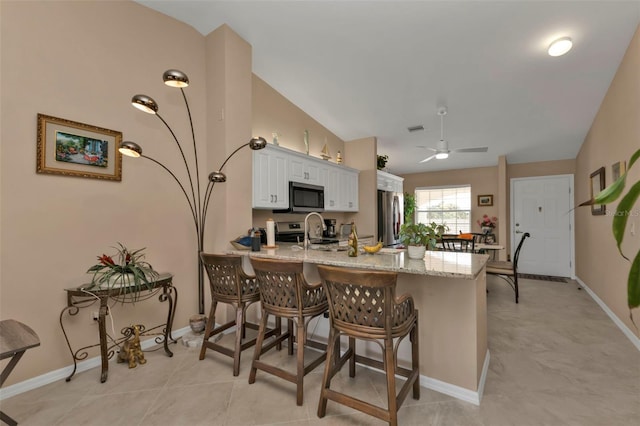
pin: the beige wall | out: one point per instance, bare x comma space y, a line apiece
613, 137
83, 61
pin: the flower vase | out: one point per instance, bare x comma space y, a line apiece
416, 252
487, 230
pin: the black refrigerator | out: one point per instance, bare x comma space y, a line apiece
390, 217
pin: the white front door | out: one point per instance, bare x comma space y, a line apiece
542, 206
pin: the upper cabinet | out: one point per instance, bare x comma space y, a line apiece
306, 170
270, 179
341, 191
389, 182
274, 167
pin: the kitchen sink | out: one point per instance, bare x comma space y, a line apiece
323, 241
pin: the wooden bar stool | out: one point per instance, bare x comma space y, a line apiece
285, 293
363, 305
15, 339
230, 284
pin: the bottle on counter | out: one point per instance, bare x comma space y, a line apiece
255, 241
352, 243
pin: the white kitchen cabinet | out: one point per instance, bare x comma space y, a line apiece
305, 170
270, 179
274, 167
348, 185
341, 191
389, 182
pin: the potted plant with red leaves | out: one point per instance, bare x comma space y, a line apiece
126, 270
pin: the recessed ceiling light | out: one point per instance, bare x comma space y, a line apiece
560, 46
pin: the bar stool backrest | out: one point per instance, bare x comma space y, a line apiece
284, 287
227, 279
364, 300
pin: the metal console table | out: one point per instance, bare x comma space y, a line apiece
84, 296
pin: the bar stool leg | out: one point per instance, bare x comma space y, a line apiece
300, 339
240, 333
258, 349
208, 328
332, 353
390, 367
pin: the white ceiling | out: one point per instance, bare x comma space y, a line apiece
374, 68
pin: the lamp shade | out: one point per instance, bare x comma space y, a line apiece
175, 78
257, 143
145, 103
130, 149
217, 177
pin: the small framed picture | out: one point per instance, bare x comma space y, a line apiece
597, 185
485, 200
69, 148
617, 170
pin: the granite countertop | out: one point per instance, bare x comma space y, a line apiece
435, 263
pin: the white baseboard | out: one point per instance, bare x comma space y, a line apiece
630, 335
458, 392
64, 372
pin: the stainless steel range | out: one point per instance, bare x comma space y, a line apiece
293, 232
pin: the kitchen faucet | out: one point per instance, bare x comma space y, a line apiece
306, 225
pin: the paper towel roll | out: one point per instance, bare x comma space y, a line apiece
271, 233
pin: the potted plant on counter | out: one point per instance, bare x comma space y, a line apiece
418, 236
128, 271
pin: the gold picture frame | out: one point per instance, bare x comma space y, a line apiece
69, 148
597, 184
485, 200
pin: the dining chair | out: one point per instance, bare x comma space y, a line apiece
285, 293
363, 305
230, 284
506, 270
455, 243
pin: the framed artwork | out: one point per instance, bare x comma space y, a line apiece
597, 184
485, 200
617, 170
69, 148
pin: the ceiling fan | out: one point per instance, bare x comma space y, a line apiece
442, 151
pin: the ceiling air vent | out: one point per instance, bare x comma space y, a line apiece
415, 128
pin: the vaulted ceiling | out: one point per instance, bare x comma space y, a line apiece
375, 68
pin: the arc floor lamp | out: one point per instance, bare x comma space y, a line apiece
198, 202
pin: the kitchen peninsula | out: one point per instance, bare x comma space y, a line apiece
449, 290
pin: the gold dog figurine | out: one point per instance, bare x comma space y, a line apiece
131, 350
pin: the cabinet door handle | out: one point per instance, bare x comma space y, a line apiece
276, 198
271, 195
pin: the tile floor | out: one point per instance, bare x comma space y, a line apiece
556, 359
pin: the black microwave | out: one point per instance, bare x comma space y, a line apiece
304, 198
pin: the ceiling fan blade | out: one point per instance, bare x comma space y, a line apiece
478, 149
428, 158
426, 147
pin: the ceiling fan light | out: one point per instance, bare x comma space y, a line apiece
560, 46
442, 155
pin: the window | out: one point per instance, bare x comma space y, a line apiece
450, 205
